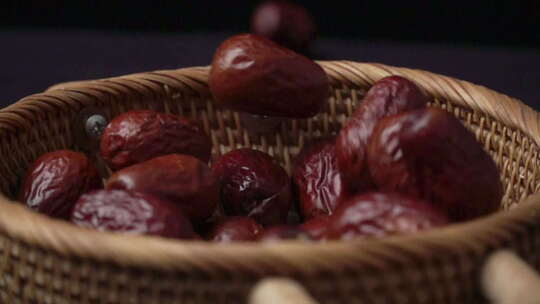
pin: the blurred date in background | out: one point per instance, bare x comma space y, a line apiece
470, 22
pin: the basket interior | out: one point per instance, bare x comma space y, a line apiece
53, 123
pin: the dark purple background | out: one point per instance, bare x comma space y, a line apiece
494, 43
35, 59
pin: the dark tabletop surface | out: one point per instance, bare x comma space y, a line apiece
34, 60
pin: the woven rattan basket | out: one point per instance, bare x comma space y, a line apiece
48, 261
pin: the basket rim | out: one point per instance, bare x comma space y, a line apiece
65, 239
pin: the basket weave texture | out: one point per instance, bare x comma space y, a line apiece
49, 261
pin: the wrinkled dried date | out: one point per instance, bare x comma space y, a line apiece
238, 228
316, 179
388, 96
140, 135
284, 22
56, 180
253, 185
429, 154
181, 179
131, 212
252, 74
380, 214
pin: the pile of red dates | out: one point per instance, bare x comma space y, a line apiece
396, 167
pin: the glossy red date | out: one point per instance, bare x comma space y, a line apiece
317, 182
253, 185
56, 180
429, 154
381, 214
252, 74
388, 96
181, 179
131, 212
